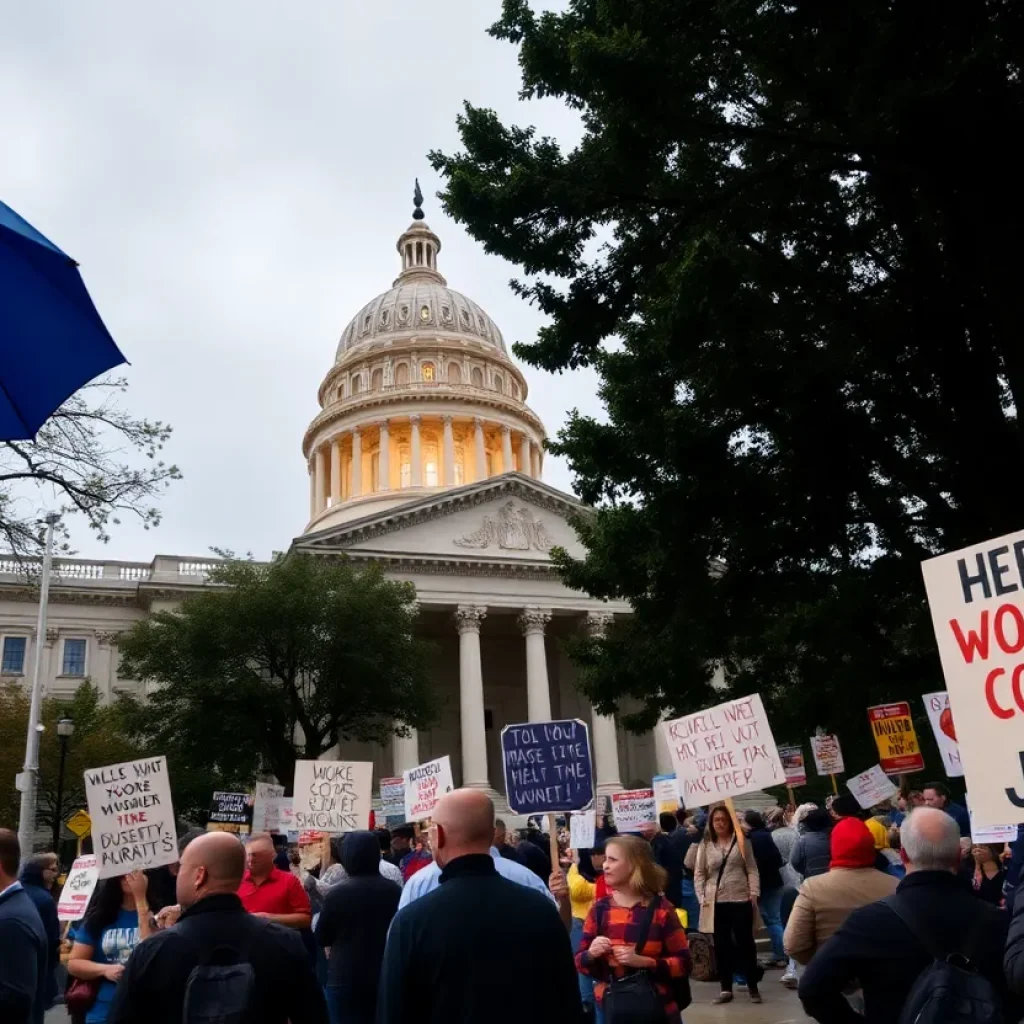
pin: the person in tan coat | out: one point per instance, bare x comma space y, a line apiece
825, 901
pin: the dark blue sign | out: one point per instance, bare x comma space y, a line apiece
547, 767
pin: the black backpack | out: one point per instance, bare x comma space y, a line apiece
950, 990
220, 989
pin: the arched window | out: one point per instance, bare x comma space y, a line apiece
402, 374
498, 383
430, 473
427, 372
515, 390
454, 373
477, 377
357, 385
377, 380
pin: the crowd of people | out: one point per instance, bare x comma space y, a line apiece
444, 923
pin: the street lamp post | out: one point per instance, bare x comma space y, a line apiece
65, 730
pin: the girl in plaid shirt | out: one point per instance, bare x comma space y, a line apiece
607, 949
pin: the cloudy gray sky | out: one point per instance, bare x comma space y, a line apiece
232, 178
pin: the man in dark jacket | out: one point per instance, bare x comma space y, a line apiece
812, 852
23, 947
769, 868
354, 925
875, 947
38, 874
152, 988
454, 954
936, 794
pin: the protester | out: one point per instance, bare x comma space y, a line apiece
454, 955
267, 891
38, 874
728, 886
354, 926
784, 835
614, 926
403, 841
417, 856
936, 794
891, 854
769, 869
988, 874
501, 843
812, 851
532, 853
214, 929
334, 873
876, 948
118, 919
586, 883
825, 901
24, 946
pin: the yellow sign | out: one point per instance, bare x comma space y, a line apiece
80, 823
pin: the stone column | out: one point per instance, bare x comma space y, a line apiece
414, 452
506, 450
606, 744
536, 463
525, 455
468, 618
336, 471
449, 452
357, 463
384, 457
321, 480
406, 751
481, 454
538, 693
312, 489
662, 755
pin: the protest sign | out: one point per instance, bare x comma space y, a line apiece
633, 808
941, 718
989, 833
132, 817
666, 794
78, 889
279, 814
264, 791
424, 786
392, 797
976, 597
333, 796
792, 758
547, 767
230, 812
871, 787
724, 752
828, 755
582, 829
893, 729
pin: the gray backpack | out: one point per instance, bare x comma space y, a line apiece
220, 989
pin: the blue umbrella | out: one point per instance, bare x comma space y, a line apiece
52, 340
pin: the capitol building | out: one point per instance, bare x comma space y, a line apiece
425, 458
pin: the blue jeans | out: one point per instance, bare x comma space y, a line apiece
586, 982
770, 905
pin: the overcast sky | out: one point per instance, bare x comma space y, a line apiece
232, 178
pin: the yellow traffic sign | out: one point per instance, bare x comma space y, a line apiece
80, 823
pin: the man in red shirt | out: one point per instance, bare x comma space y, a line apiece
268, 892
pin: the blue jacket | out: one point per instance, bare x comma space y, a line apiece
31, 879
23, 959
959, 814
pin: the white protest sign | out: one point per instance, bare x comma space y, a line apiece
425, 785
976, 597
828, 755
871, 787
666, 793
132, 818
941, 718
634, 808
78, 889
989, 833
333, 796
279, 814
582, 828
263, 792
724, 751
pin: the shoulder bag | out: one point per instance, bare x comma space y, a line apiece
634, 998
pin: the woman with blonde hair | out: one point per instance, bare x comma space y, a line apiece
632, 939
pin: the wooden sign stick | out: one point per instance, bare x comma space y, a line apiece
835, 785
741, 838
792, 797
553, 843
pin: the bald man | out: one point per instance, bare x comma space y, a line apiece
283, 988
455, 953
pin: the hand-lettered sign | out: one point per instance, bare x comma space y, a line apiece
424, 786
78, 889
792, 758
893, 729
941, 718
582, 829
265, 791
828, 755
871, 787
976, 597
633, 808
230, 812
392, 797
132, 817
547, 767
333, 796
666, 793
724, 751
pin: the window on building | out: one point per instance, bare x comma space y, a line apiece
402, 374
427, 370
74, 657
377, 380
430, 465
454, 373
14, 655
499, 384
477, 377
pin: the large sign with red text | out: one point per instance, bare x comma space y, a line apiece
976, 597
893, 729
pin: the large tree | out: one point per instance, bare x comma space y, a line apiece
788, 242
276, 662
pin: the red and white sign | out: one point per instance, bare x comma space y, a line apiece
828, 755
634, 808
425, 785
893, 729
941, 718
78, 889
792, 758
871, 787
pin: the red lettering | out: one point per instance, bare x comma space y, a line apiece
990, 695
1015, 683
972, 642
1018, 620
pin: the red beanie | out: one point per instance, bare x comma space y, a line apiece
852, 845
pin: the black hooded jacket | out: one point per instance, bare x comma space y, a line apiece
356, 916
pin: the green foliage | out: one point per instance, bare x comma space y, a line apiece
787, 244
275, 662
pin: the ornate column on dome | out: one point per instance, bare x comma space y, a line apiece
336, 471
481, 454
357, 463
532, 621
606, 743
449, 452
506, 450
383, 457
321, 475
524, 455
415, 458
468, 618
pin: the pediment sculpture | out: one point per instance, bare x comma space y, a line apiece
514, 529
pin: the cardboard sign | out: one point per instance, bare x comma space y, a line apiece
230, 812
424, 785
828, 755
547, 767
279, 814
893, 729
582, 829
392, 797
724, 751
78, 889
132, 818
871, 787
634, 808
941, 718
333, 796
792, 758
264, 791
666, 794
